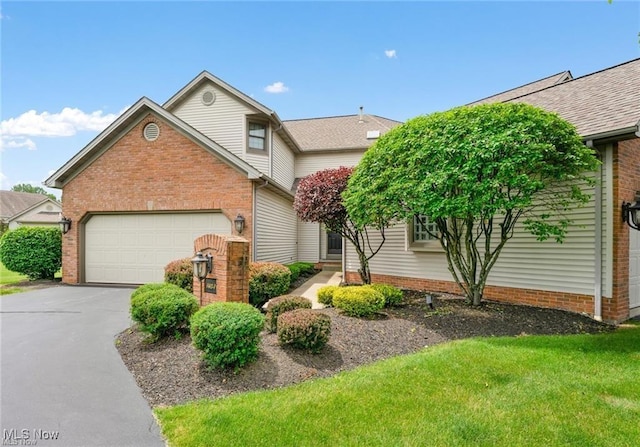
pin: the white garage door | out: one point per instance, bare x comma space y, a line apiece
634, 272
135, 248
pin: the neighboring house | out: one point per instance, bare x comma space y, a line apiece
26, 209
597, 269
160, 176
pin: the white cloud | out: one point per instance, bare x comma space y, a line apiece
63, 124
7, 142
276, 87
391, 54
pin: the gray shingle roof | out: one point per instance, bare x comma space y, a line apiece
606, 101
526, 89
13, 203
337, 132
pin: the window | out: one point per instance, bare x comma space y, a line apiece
419, 237
257, 136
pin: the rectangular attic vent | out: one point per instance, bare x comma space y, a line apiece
373, 134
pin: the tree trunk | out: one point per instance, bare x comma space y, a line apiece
477, 296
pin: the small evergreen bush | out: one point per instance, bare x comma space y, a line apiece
358, 301
228, 334
301, 268
304, 329
162, 311
148, 287
325, 295
267, 280
180, 273
282, 304
392, 295
32, 251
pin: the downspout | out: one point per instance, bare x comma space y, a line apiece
597, 280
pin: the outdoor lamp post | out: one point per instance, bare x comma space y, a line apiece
631, 213
65, 225
238, 222
202, 266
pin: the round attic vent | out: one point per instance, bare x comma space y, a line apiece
151, 132
208, 98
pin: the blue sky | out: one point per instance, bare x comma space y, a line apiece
68, 68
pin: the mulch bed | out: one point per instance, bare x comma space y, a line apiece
170, 371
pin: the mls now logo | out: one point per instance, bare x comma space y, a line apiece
25, 436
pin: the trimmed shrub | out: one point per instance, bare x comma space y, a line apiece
325, 295
301, 268
304, 329
148, 287
267, 280
392, 295
32, 251
180, 273
358, 301
282, 304
228, 334
162, 311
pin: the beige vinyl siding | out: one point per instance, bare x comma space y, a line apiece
313, 162
394, 258
308, 241
276, 228
282, 162
523, 263
259, 161
223, 121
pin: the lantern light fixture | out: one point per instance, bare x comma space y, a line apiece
238, 223
65, 225
202, 265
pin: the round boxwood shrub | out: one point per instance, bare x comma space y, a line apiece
228, 334
282, 304
267, 280
148, 287
180, 273
304, 329
162, 311
32, 251
392, 295
325, 295
358, 301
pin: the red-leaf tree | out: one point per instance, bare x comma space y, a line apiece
319, 199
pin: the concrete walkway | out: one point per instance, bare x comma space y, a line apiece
310, 288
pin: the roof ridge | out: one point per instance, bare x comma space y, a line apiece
574, 79
524, 85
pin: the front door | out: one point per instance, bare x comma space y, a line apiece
334, 244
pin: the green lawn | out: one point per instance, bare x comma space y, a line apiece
9, 277
579, 390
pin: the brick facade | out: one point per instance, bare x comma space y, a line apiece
230, 268
171, 173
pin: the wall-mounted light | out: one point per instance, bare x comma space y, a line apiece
631, 213
238, 223
65, 225
202, 265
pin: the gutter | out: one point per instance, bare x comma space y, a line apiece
632, 131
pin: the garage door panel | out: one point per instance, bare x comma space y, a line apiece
134, 248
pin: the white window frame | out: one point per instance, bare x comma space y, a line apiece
418, 238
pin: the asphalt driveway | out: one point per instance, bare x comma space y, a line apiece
62, 380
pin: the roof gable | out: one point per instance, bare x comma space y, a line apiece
338, 132
15, 203
531, 87
127, 120
601, 104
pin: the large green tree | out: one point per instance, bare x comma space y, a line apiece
26, 187
475, 172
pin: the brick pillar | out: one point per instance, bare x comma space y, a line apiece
230, 274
